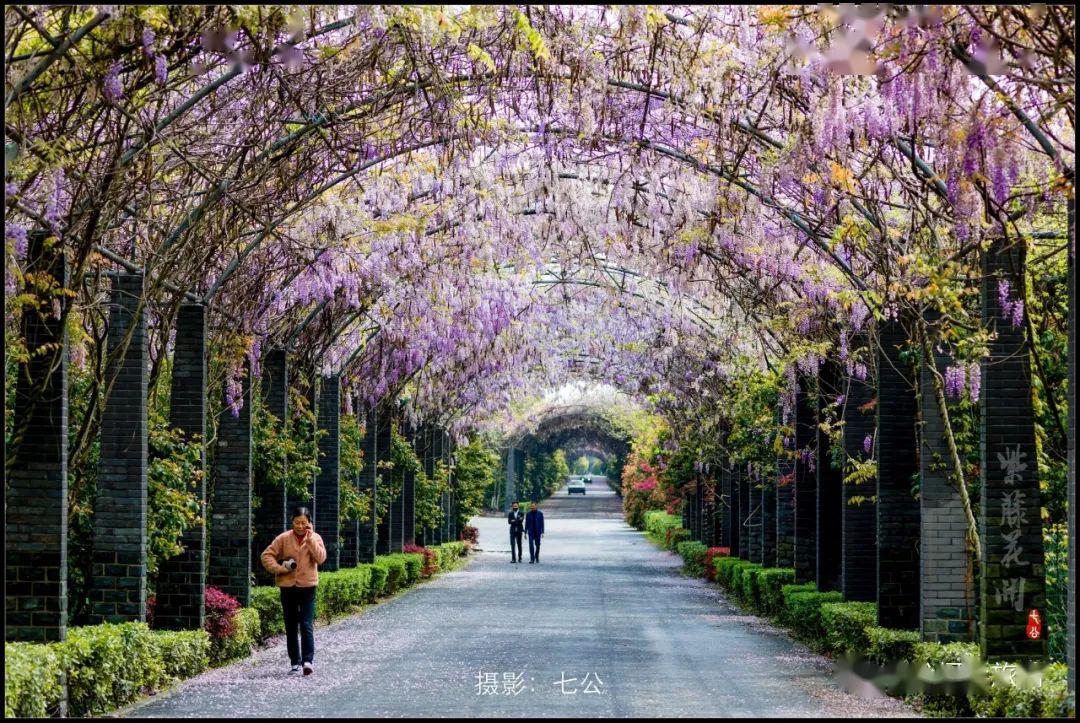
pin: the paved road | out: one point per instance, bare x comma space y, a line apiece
603, 626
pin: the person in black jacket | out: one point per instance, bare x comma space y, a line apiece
516, 519
534, 525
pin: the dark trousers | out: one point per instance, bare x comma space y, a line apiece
534, 548
298, 604
515, 539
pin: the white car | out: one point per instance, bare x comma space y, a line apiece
575, 486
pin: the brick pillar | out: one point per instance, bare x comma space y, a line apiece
397, 514
897, 508
383, 443
805, 531
511, 487
947, 595
708, 512
327, 484
1010, 524
424, 535
785, 500
451, 447
270, 518
181, 585
408, 493
350, 528
730, 513
753, 517
292, 499
830, 488
230, 519
742, 479
118, 592
858, 577
439, 531
36, 525
368, 483
699, 527
768, 523
1071, 647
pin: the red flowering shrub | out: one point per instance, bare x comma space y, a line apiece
470, 534
220, 611
710, 555
430, 558
150, 603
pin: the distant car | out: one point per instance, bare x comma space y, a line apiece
586, 478
575, 486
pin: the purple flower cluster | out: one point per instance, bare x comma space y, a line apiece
955, 381
867, 443
111, 85
1011, 310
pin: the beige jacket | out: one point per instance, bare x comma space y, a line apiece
308, 555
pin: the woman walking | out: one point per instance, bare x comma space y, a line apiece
294, 557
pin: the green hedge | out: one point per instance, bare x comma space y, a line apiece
845, 625
341, 590
657, 523
186, 653
747, 580
452, 555
32, 680
802, 608
693, 555
247, 628
889, 645
267, 600
771, 582
1049, 700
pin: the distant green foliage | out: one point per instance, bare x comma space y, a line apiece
693, 555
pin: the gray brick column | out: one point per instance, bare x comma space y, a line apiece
36, 525
397, 515
858, 578
382, 541
830, 489
947, 594
181, 586
368, 483
439, 531
230, 518
451, 449
897, 507
328, 483
785, 501
425, 535
408, 493
708, 512
293, 500
805, 483
350, 528
118, 588
270, 518
511, 486
729, 515
1010, 525
742, 480
768, 523
753, 518
1071, 647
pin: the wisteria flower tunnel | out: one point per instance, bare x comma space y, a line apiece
808, 264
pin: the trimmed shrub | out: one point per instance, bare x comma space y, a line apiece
937, 654
693, 555
657, 524
379, 575
790, 592
32, 680
186, 653
741, 581
414, 564
108, 666
267, 601
845, 625
470, 534
341, 590
771, 582
1034, 698
450, 555
725, 566
675, 535
430, 558
220, 610
889, 645
395, 567
246, 629
711, 555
